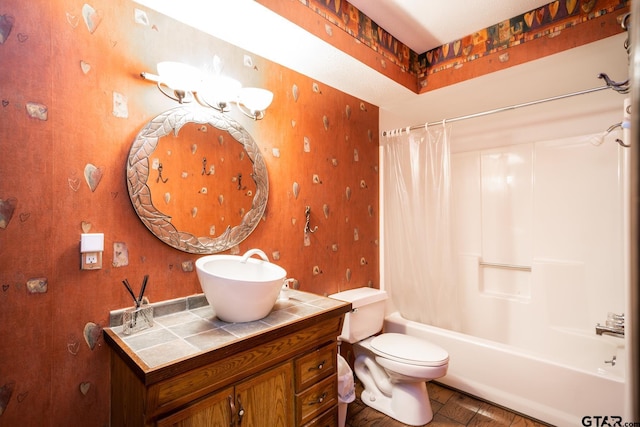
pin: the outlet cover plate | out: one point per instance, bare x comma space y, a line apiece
91, 261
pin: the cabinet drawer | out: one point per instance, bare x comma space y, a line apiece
316, 400
314, 366
328, 419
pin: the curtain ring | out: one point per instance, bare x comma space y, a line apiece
426, 126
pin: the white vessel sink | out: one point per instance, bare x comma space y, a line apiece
240, 288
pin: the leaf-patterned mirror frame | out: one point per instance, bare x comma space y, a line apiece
160, 224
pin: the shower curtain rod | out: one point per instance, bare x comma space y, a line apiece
497, 110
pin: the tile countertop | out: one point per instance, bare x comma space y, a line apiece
179, 336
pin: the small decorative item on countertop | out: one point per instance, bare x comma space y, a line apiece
139, 317
135, 319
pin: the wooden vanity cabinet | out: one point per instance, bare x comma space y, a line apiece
284, 377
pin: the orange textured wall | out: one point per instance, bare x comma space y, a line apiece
59, 77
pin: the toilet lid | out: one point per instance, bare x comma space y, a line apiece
408, 349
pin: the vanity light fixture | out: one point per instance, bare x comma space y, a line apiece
218, 92
252, 101
185, 83
178, 79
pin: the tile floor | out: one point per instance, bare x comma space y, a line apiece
450, 408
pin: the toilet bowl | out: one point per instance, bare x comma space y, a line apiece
392, 367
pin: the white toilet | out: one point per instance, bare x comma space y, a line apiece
392, 367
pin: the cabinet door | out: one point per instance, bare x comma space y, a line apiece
266, 399
212, 411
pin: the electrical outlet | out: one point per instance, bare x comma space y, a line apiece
91, 247
91, 260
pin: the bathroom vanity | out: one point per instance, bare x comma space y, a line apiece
277, 371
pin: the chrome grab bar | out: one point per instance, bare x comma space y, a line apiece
505, 266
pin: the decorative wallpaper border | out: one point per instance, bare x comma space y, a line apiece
348, 18
546, 21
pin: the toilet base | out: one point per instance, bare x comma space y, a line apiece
408, 404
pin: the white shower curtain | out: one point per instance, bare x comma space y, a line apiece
419, 269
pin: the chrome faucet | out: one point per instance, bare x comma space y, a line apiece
614, 326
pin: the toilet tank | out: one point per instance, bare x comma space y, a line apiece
367, 314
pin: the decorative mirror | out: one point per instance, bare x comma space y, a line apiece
197, 180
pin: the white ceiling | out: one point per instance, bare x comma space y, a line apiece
424, 25
251, 26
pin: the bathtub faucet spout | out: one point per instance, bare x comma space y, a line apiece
616, 331
606, 330
614, 326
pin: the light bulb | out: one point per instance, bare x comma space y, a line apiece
255, 99
179, 76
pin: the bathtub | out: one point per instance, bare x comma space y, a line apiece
559, 393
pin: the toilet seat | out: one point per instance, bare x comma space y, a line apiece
409, 350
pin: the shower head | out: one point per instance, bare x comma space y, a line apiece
599, 138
